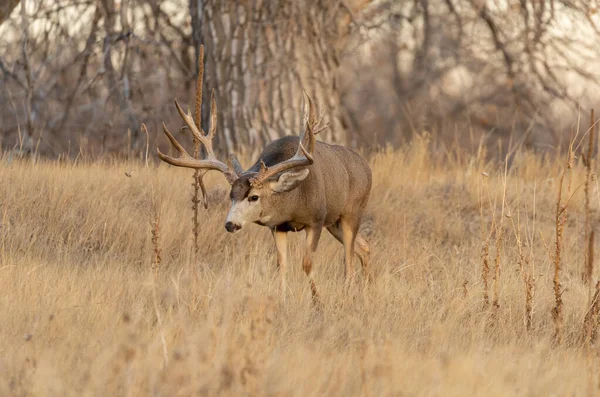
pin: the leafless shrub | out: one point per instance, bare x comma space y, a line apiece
81, 73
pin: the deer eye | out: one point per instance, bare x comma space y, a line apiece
253, 198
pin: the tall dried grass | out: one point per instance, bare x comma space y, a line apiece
82, 312
197, 185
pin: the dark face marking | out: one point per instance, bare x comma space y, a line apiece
288, 227
240, 188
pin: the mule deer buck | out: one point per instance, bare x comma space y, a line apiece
296, 184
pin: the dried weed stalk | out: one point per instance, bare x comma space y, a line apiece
485, 252
590, 256
529, 295
197, 185
590, 323
145, 131
560, 220
587, 160
526, 271
156, 240
499, 239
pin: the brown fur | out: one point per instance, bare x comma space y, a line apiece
338, 185
334, 196
279, 192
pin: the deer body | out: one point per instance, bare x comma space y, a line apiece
296, 184
338, 183
333, 194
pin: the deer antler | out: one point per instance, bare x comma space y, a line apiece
184, 159
303, 157
200, 137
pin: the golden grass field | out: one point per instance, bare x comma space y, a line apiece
83, 313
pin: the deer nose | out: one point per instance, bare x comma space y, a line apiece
232, 227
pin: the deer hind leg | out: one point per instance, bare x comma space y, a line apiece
361, 247
349, 230
282, 250
312, 241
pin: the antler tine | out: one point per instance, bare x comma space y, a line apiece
303, 157
174, 141
318, 125
303, 118
312, 122
312, 113
205, 139
183, 154
189, 121
210, 162
185, 160
235, 164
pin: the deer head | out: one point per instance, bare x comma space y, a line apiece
256, 196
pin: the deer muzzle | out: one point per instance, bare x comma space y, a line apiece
232, 227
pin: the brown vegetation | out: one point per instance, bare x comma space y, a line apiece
84, 313
482, 285
85, 73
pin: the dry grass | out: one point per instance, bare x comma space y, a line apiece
84, 314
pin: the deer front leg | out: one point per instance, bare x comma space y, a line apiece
312, 241
282, 248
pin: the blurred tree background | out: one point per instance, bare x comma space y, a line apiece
81, 75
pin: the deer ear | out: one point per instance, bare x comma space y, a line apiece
289, 180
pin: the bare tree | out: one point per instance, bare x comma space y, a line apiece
451, 67
86, 68
82, 74
263, 54
6, 9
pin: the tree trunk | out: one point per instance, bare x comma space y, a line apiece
261, 55
6, 8
195, 7
117, 81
